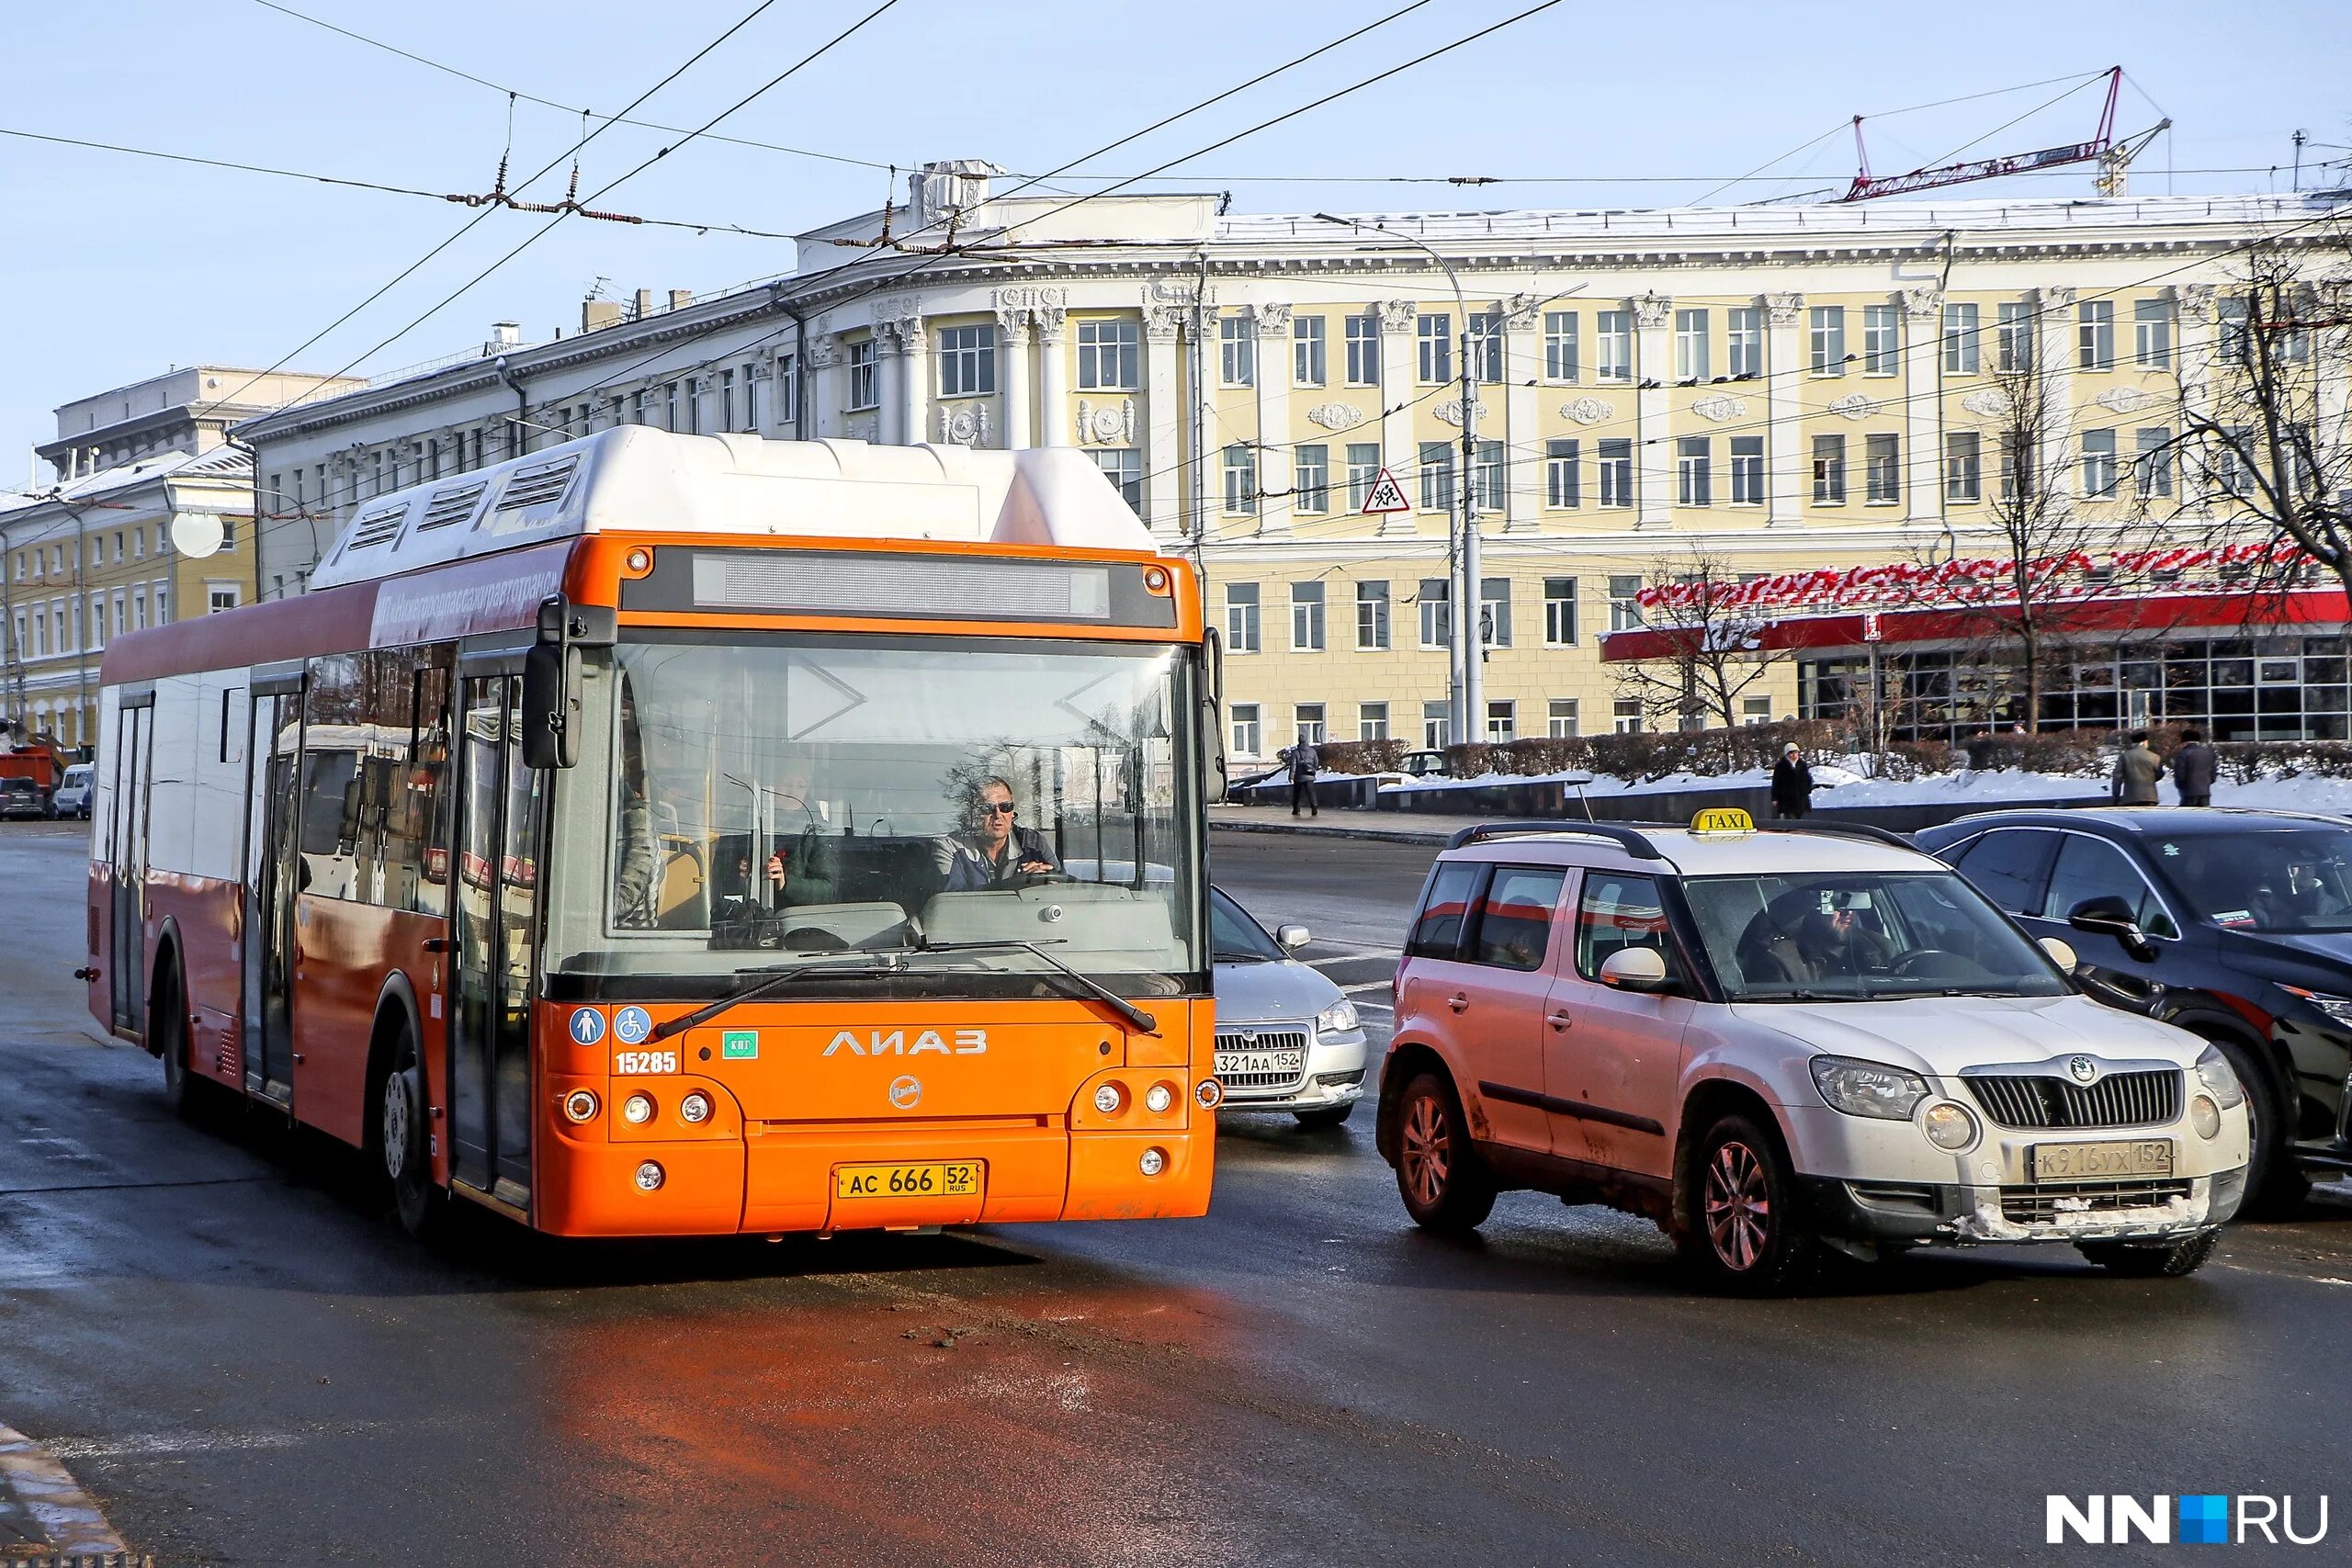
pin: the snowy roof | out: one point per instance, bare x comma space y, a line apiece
221, 463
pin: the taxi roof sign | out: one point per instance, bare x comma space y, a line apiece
1723, 819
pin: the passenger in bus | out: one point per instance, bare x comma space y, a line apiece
992, 849
634, 866
805, 870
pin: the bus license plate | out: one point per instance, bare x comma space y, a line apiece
936, 1179
1235, 1064
2098, 1162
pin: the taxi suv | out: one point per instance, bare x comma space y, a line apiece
1770, 1043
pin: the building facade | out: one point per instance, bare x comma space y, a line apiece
1766, 390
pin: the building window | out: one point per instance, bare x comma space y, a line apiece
1237, 351
1488, 476
1363, 350
1372, 721
1123, 466
726, 405
1371, 615
1433, 337
1307, 723
1617, 473
1628, 715
2013, 337
1882, 469
2151, 465
162, 604
1502, 723
1691, 345
1694, 483
862, 387
2099, 462
1306, 351
2017, 468
1614, 347
97, 619
1745, 341
1562, 474
787, 402
2229, 340
1437, 622
1748, 470
1241, 617
1437, 727
1312, 484
1559, 612
1487, 347
1560, 721
1959, 340
1494, 611
752, 379
1829, 470
1560, 356
2095, 334
218, 596
1625, 603
1245, 729
1363, 472
967, 361
1882, 340
1755, 710
1436, 476
1106, 356
1963, 466
1307, 617
1828, 342
2152, 335
1241, 479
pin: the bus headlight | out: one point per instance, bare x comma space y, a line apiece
1209, 1093
1154, 1161
1109, 1099
649, 1176
694, 1107
637, 1110
1158, 1098
580, 1105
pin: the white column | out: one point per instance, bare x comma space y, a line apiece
914, 380
1653, 443
1783, 382
1522, 445
1277, 464
1398, 453
1162, 456
2054, 367
1052, 377
1012, 354
824, 411
1923, 491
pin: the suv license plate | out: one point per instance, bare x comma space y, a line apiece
936, 1179
1230, 1063
2100, 1162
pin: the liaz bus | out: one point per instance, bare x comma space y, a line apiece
678, 835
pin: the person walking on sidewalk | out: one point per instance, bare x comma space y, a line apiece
1792, 783
2137, 769
1305, 763
2193, 767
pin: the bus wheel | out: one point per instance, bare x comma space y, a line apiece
400, 1123
188, 1094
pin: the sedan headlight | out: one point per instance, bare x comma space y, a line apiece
2338, 1008
2220, 1079
1867, 1089
1337, 1018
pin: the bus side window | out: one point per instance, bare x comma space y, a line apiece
415, 858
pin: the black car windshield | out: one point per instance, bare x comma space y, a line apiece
1237, 938
2298, 879
1862, 936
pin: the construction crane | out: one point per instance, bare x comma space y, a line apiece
2113, 158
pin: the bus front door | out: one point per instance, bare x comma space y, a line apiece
126, 868
271, 865
501, 822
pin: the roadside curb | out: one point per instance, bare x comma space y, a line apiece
1379, 835
42, 1489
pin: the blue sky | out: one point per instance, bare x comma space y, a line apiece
116, 267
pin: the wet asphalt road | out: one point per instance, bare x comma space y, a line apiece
225, 1339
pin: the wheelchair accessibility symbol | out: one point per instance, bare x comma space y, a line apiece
631, 1025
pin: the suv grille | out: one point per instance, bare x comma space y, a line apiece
1264, 1084
2041, 1205
2119, 1100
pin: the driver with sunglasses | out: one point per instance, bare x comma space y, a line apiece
991, 850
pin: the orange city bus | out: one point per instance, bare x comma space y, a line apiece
611, 837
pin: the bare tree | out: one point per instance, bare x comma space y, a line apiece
1713, 653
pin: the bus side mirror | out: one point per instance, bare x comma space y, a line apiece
550, 706
1213, 769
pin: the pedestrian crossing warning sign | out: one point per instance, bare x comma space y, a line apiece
1386, 495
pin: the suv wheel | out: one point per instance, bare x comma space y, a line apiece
2161, 1261
1445, 1186
2275, 1185
1746, 1232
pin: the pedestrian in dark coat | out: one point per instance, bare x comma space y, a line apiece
1305, 763
2193, 767
1792, 784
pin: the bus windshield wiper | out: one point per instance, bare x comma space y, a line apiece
777, 978
1095, 988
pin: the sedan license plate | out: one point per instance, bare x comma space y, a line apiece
2102, 1162
1235, 1064
935, 1179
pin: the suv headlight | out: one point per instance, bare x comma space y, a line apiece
1867, 1089
1337, 1018
2338, 1008
2220, 1079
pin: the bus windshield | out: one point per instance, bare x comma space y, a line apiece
974, 806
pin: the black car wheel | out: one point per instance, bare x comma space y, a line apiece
1745, 1229
2275, 1185
1445, 1185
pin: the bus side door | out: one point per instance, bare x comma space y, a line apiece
127, 864
266, 939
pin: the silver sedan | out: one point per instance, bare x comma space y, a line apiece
1286, 1038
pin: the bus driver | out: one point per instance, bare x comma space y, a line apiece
990, 849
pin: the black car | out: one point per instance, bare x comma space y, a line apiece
2233, 925
19, 796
